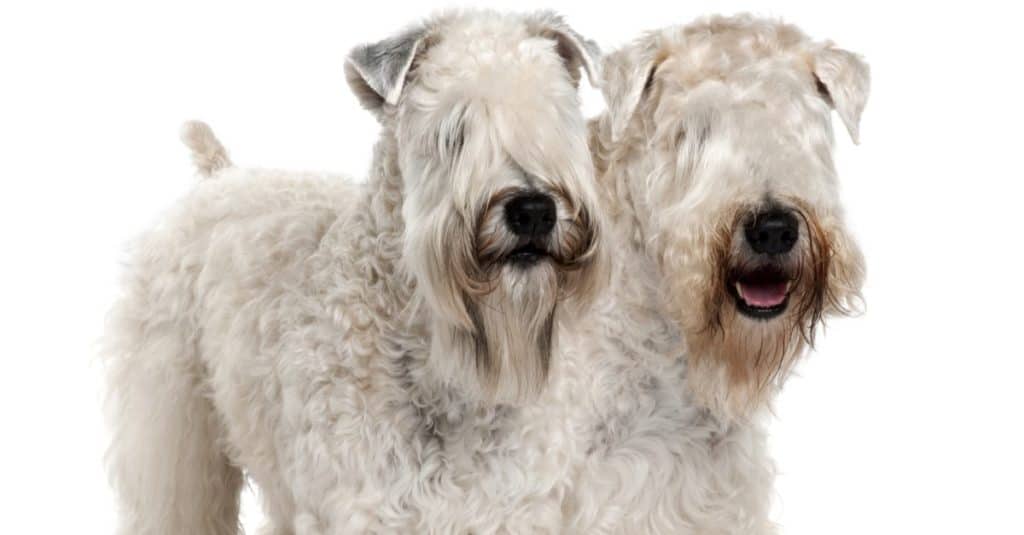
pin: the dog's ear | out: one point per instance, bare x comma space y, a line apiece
576, 50
628, 75
377, 72
844, 80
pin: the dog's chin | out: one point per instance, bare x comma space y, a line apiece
762, 293
513, 335
527, 256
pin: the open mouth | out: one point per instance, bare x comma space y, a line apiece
763, 293
527, 255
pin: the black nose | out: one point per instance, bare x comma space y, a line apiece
772, 232
530, 215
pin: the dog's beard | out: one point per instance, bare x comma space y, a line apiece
506, 356
497, 341
736, 363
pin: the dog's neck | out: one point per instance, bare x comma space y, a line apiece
381, 210
636, 290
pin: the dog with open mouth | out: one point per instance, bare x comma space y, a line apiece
716, 154
715, 165
762, 281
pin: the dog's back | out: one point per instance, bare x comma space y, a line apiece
230, 244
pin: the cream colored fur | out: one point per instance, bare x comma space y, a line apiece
361, 352
322, 337
706, 123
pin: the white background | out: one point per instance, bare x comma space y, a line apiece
906, 420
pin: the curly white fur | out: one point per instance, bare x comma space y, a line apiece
706, 124
325, 336
363, 352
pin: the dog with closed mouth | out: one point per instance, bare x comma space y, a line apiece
374, 357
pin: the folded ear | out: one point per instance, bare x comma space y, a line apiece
845, 80
376, 72
628, 74
576, 50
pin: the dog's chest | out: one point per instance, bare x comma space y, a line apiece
484, 471
439, 468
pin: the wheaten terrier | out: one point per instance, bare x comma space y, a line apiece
373, 356
715, 165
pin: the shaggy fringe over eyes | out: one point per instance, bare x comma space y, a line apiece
736, 362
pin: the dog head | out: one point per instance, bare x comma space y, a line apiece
722, 131
501, 229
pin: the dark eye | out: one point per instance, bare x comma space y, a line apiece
451, 136
649, 83
452, 142
680, 137
700, 136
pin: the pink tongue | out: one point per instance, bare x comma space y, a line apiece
763, 295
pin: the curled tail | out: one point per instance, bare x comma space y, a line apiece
208, 154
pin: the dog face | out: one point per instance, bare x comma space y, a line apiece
501, 229
724, 130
